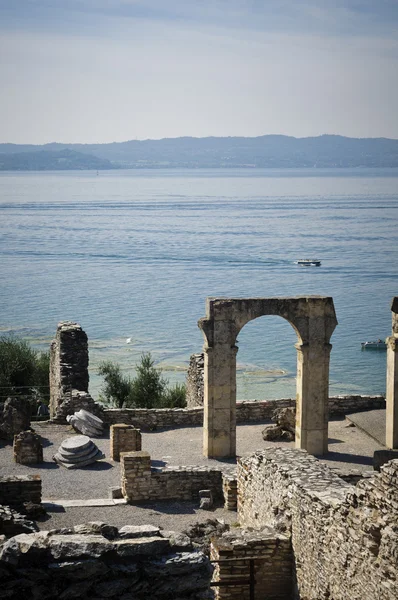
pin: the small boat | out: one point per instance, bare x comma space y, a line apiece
374, 345
309, 262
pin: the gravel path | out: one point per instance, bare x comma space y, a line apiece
349, 449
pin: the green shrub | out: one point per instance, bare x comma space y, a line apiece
23, 370
117, 388
175, 397
149, 389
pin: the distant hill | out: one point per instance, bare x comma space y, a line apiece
276, 151
44, 160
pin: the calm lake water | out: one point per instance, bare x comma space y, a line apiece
134, 254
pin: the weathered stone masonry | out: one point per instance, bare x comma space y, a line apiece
28, 448
195, 380
68, 363
344, 538
19, 489
99, 561
142, 483
246, 411
272, 565
313, 318
124, 438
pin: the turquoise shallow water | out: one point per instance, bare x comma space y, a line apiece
133, 254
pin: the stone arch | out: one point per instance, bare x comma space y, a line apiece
314, 320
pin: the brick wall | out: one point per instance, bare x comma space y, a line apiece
344, 537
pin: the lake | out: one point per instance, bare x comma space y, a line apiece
134, 254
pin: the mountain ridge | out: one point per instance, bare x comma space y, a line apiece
267, 151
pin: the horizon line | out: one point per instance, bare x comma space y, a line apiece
252, 137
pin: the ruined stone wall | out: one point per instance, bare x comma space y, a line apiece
272, 564
195, 380
247, 411
344, 538
72, 402
19, 489
68, 363
13, 523
338, 405
141, 483
154, 418
99, 561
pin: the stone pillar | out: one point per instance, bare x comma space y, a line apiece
136, 476
68, 363
312, 398
28, 449
219, 422
392, 381
194, 381
124, 438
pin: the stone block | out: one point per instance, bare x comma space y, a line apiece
271, 433
28, 449
142, 546
124, 438
14, 417
138, 531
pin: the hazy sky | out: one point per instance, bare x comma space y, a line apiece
113, 70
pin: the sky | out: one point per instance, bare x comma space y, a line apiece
96, 71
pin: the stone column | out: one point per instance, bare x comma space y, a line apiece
392, 381
68, 363
219, 422
312, 398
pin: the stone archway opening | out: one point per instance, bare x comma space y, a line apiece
313, 319
266, 361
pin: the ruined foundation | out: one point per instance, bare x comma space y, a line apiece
99, 561
344, 537
142, 483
